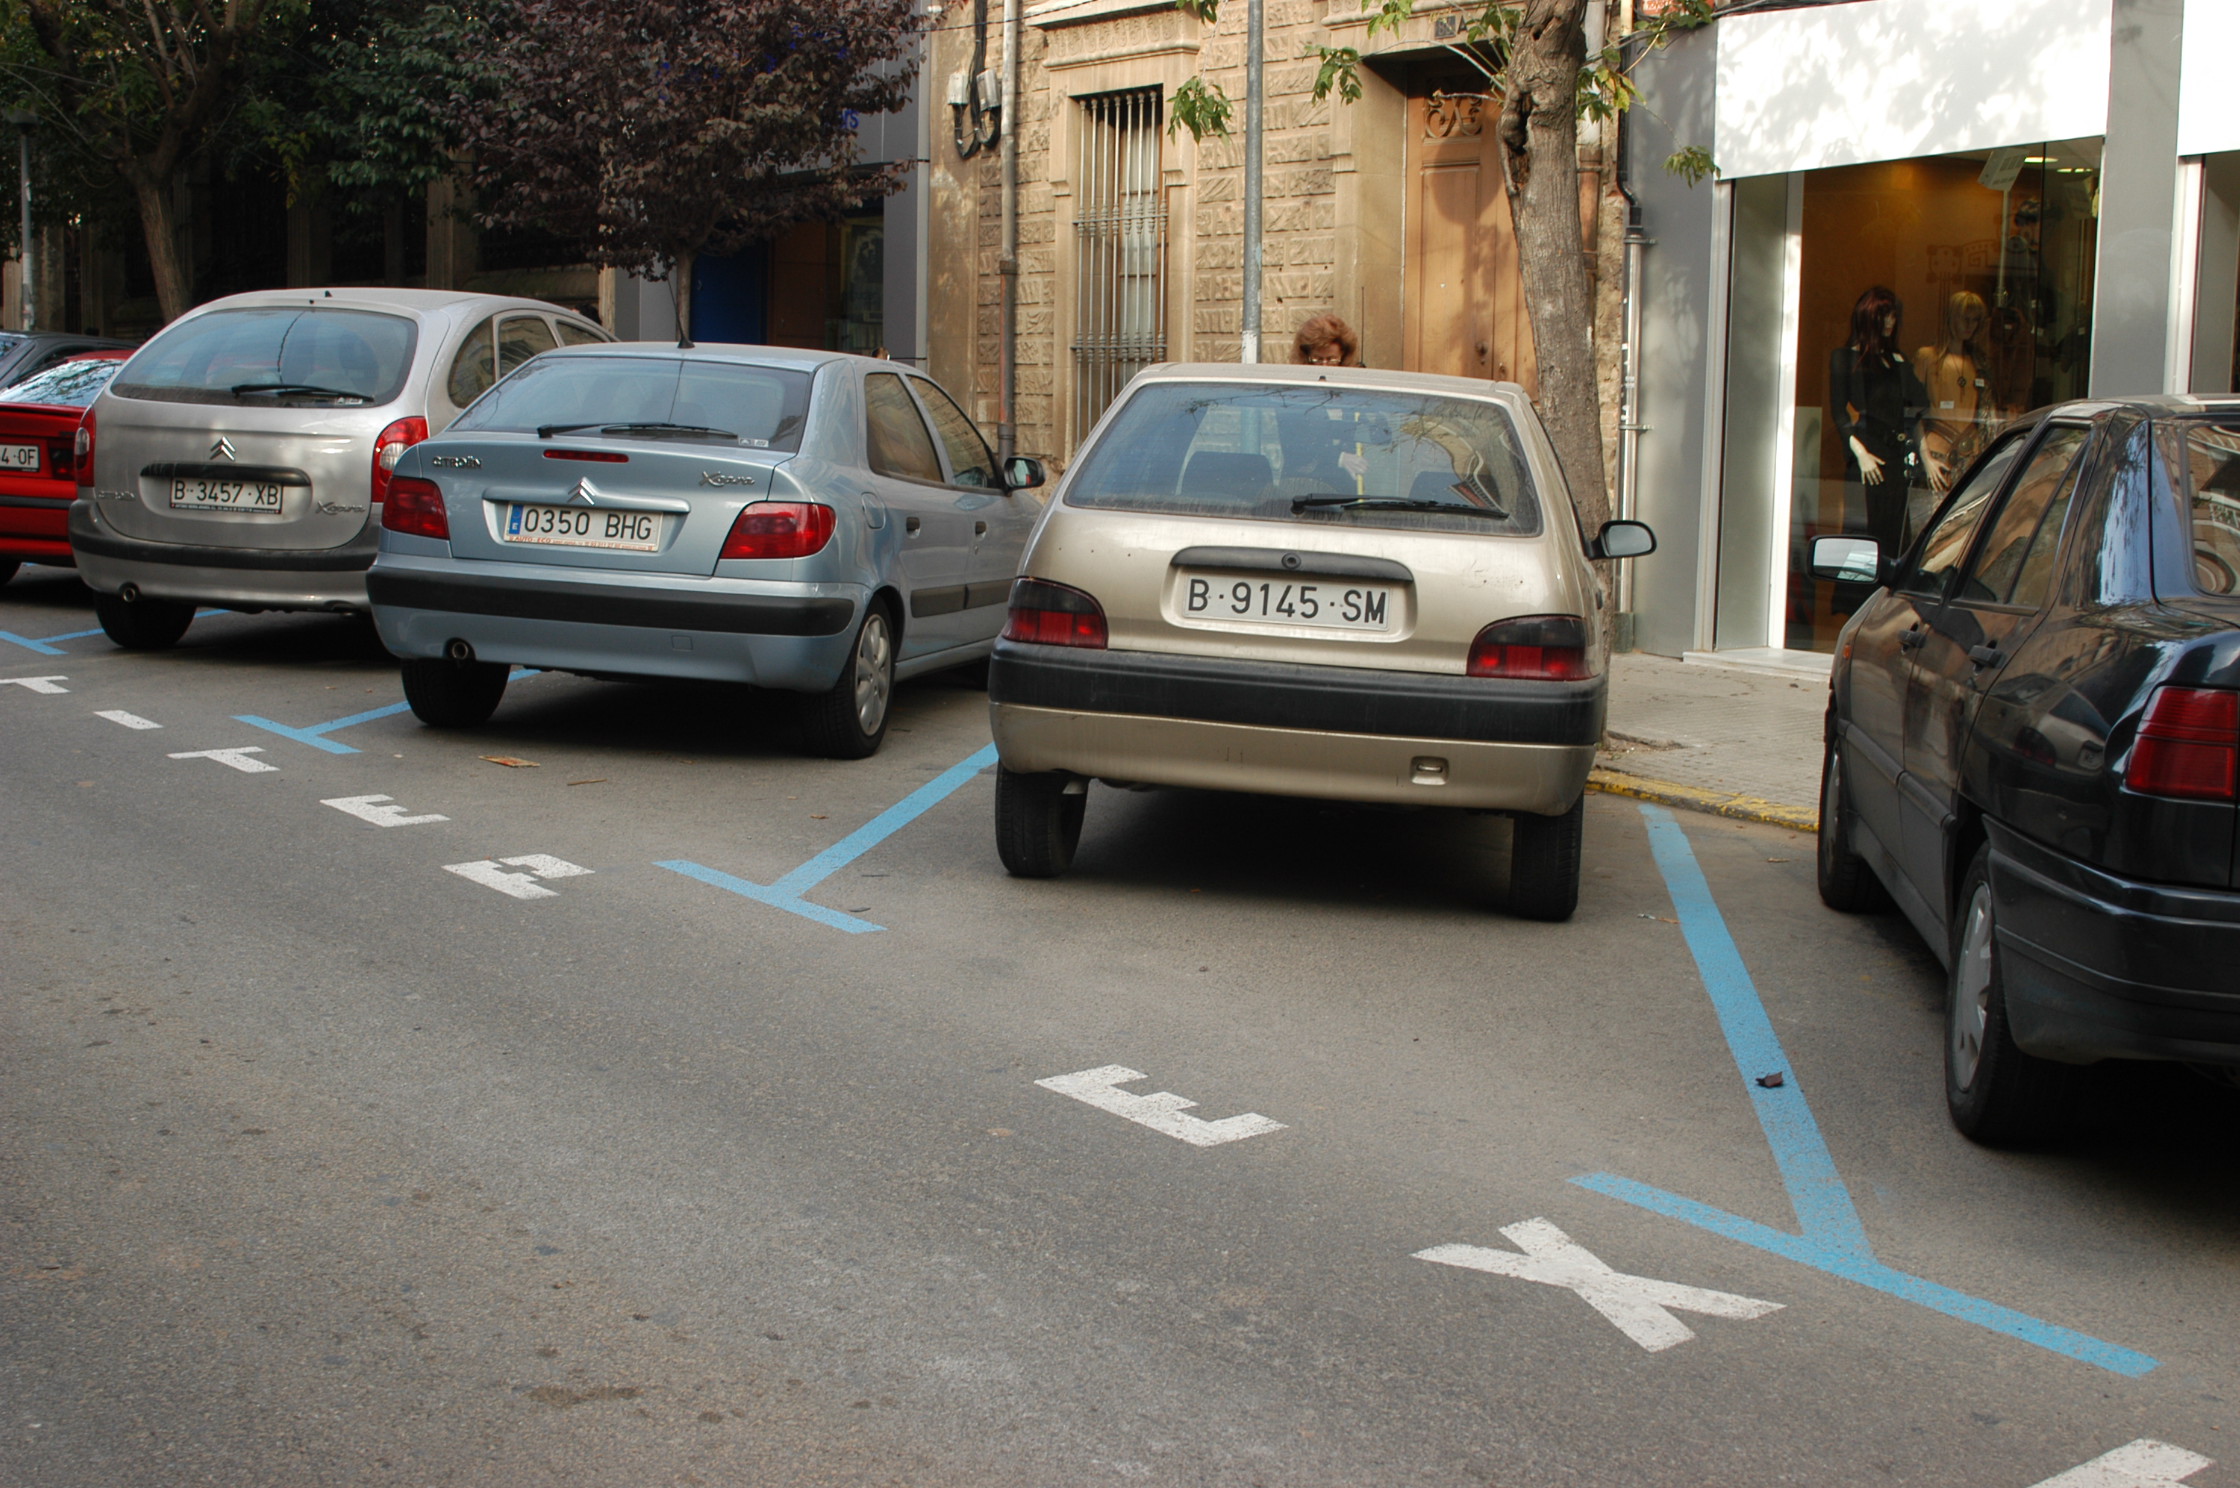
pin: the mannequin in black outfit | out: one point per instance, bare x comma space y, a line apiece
1877, 400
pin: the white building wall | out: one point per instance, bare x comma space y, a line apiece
1846, 84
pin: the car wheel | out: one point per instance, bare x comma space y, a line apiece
143, 624
1998, 1095
454, 694
849, 719
1846, 882
1038, 825
8, 567
1544, 863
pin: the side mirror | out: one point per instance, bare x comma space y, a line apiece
1624, 540
1023, 473
1847, 560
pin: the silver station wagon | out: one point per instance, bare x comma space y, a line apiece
803, 521
241, 457
1305, 581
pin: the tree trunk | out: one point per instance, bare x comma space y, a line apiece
173, 293
1540, 148
680, 280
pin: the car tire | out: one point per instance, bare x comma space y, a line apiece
1544, 863
143, 624
8, 567
1998, 1095
848, 720
454, 694
1846, 882
1038, 825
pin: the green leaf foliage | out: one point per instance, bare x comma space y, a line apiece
1201, 107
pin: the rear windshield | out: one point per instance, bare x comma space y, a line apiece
2212, 497
256, 358
1306, 452
644, 397
68, 384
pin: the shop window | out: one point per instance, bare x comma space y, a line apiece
1937, 299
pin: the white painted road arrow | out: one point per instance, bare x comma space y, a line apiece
490, 875
1635, 1303
2145, 1463
35, 684
236, 758
1161, 1111
370, 808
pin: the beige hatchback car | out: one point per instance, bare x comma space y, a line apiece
1306, 581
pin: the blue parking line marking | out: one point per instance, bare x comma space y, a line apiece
769, 894
314, 734
786, 893
43, 645
1832, 1239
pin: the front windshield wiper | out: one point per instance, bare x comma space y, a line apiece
1393, 503
692, 431
296, 390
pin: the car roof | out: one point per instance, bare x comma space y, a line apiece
794, 358
418, 302
1371, 378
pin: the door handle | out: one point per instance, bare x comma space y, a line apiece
1984, 656
1912, 639
979, 529
910, 524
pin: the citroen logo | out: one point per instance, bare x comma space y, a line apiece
583, 493
222, 450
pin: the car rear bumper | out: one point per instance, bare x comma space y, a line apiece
789, 636
35, 527
1340, 733
2101, 967
237, 578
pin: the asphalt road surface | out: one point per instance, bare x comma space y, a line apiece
653, 1105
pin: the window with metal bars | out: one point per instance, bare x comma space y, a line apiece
1120, 240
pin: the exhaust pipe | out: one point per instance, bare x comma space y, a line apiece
459, 650
130, 594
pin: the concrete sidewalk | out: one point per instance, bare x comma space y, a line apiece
1737, 735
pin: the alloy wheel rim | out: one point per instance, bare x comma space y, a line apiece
1970, 1013
872, 679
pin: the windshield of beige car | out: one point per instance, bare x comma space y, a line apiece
1312, 453
260, 357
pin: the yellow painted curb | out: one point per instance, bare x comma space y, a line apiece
1694, 798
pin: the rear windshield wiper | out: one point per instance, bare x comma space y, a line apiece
296, 390
695, 431
1395, 503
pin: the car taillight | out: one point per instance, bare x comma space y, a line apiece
81, 449
62, 458
2188, 745
779, 529
1538, 648
389, 448
415, 506
1054, 615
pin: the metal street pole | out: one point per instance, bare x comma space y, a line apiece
1255, 26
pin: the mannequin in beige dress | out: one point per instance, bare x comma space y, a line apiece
1959, 398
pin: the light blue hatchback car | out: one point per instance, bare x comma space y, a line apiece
805, 521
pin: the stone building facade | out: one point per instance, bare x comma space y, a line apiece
1388, 211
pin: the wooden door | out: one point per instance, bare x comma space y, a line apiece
1465, 297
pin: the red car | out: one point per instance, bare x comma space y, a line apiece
38, 456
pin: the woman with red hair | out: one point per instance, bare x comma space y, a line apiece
1326, 341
